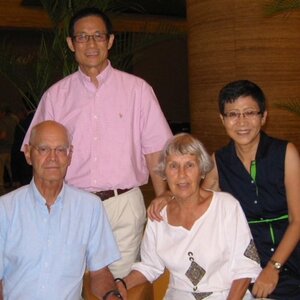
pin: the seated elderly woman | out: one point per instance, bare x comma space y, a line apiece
203, 240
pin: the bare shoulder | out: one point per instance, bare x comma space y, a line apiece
292, 160
292, 179
292, 151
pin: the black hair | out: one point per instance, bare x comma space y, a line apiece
90, 11
241, 88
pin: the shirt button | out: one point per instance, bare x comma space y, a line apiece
255, 201
252, 181
272, 249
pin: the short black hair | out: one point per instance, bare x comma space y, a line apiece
235, 89
90, 11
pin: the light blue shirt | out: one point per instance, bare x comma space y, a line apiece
43, 255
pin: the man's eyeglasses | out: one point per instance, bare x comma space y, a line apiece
84, 38
61, 151
233, 116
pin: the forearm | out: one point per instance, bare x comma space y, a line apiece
134, 278
102, 281
158, 183
268, 278
238, 289
292, 186
211, 180
159, 186
288, 243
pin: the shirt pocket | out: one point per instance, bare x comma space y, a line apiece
74, 259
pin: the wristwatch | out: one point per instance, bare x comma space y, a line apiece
277, 265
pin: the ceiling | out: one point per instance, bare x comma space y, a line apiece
172, 8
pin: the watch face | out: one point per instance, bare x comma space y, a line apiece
277, 265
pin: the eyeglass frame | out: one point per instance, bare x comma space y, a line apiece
250, 114
49, 150
103, 35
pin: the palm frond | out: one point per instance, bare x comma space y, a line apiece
60, 10
129, 46
33, 73
292, 106
14, 68
275, 7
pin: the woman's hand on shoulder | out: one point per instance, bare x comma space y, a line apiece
157, 204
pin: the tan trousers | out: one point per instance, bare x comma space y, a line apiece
127, 216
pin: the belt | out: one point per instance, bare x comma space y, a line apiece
270, 221
104, 195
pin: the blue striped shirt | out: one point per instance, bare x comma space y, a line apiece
43, 255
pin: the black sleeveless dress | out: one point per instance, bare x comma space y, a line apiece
263, 201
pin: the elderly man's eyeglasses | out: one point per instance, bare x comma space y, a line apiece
233, 116
61, 151
84, 38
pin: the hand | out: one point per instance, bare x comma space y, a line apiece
265, 282
156, 205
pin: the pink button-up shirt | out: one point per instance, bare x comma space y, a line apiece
112, 127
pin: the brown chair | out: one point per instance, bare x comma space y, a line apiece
160, 286
141, 292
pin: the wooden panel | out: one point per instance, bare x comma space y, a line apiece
13, 15
231, 40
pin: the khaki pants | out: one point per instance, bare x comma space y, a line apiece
127, 216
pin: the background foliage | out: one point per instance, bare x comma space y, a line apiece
276, 7
33, 73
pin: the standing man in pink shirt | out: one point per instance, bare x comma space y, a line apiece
118, 131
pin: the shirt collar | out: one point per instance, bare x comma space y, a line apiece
102, 77
39, 199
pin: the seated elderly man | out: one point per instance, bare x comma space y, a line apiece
51, 232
